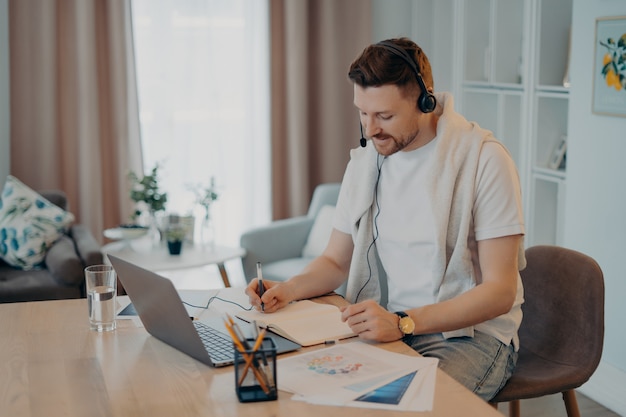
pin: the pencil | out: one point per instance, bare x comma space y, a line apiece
260, 376
250, 358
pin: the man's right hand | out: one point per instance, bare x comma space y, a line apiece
276, 295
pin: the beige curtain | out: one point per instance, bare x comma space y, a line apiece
74, 115
314, 123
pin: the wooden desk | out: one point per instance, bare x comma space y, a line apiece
51, 364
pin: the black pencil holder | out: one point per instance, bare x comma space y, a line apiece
255, 372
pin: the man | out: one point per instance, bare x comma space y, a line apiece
437, 199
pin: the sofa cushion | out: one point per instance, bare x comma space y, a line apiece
64, 263
29, 225
17, 285
87, 247
320, 232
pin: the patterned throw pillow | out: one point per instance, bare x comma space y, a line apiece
29, 225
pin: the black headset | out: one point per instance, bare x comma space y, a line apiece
426, 101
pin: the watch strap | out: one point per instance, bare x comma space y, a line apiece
401, 314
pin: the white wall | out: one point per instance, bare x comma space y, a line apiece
595, 218
427, 23
4, 92
391, 19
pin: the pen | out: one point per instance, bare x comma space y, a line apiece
259, 275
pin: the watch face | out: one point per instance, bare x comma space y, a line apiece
406, 324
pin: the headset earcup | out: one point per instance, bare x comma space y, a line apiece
427, 102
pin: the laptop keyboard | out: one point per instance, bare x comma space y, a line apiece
218, 345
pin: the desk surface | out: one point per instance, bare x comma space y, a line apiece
52, 364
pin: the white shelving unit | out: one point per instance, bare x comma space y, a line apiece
500, 111
493, 43
515, 56
550, 35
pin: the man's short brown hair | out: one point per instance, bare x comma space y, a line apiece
377, 66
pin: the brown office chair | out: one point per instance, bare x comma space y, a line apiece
562, 331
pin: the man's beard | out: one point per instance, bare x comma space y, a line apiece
398, 144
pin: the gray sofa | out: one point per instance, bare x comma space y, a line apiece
62, 276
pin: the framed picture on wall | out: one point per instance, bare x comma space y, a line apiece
609, 84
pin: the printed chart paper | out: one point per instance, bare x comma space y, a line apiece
360, 375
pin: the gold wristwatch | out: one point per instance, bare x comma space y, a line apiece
406, 323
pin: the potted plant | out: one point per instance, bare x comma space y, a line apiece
205, 197
145, 192
175, 236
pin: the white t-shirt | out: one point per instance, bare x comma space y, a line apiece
404, 225
406, 231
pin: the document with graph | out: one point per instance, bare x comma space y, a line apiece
358, 374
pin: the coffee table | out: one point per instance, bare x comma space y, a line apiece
157, 258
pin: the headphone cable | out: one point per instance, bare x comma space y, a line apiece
379, 164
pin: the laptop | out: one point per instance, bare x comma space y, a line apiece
164, 316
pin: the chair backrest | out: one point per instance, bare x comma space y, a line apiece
324, 194
563, 307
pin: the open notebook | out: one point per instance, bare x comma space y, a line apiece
304, 322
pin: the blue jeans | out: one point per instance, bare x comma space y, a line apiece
482, 364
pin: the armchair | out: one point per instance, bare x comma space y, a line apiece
62, 275
282, 245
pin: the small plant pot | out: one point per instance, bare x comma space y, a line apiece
174, 246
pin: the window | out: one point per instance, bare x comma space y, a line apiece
203, 81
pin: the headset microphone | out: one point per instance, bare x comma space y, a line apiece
362, 141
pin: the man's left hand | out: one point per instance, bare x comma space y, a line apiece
371, 321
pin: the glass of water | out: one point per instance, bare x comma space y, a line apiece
101, 286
